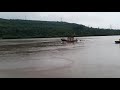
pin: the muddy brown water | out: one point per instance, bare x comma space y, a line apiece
90, 57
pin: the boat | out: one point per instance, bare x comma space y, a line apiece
69, 39
117, 41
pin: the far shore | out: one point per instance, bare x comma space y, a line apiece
57, 37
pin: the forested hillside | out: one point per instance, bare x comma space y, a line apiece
38, 29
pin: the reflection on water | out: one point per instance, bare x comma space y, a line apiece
49, 57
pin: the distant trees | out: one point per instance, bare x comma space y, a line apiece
30, 29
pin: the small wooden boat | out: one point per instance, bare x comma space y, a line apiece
117, 41
64, 40
69, 39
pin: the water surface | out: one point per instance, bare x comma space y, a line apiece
91, 57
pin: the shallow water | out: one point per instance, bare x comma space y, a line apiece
91, 57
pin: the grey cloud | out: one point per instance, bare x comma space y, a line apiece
94, 19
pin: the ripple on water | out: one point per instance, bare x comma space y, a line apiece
34, 65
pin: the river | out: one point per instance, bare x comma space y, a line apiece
90, 57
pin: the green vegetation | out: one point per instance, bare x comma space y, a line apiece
38, 29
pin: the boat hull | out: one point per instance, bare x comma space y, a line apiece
64, 40
117, 41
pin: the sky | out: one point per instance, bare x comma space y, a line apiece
91, 19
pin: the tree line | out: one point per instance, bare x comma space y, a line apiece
13, 29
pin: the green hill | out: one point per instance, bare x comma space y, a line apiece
38, 29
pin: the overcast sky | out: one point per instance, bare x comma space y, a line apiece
92, 19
